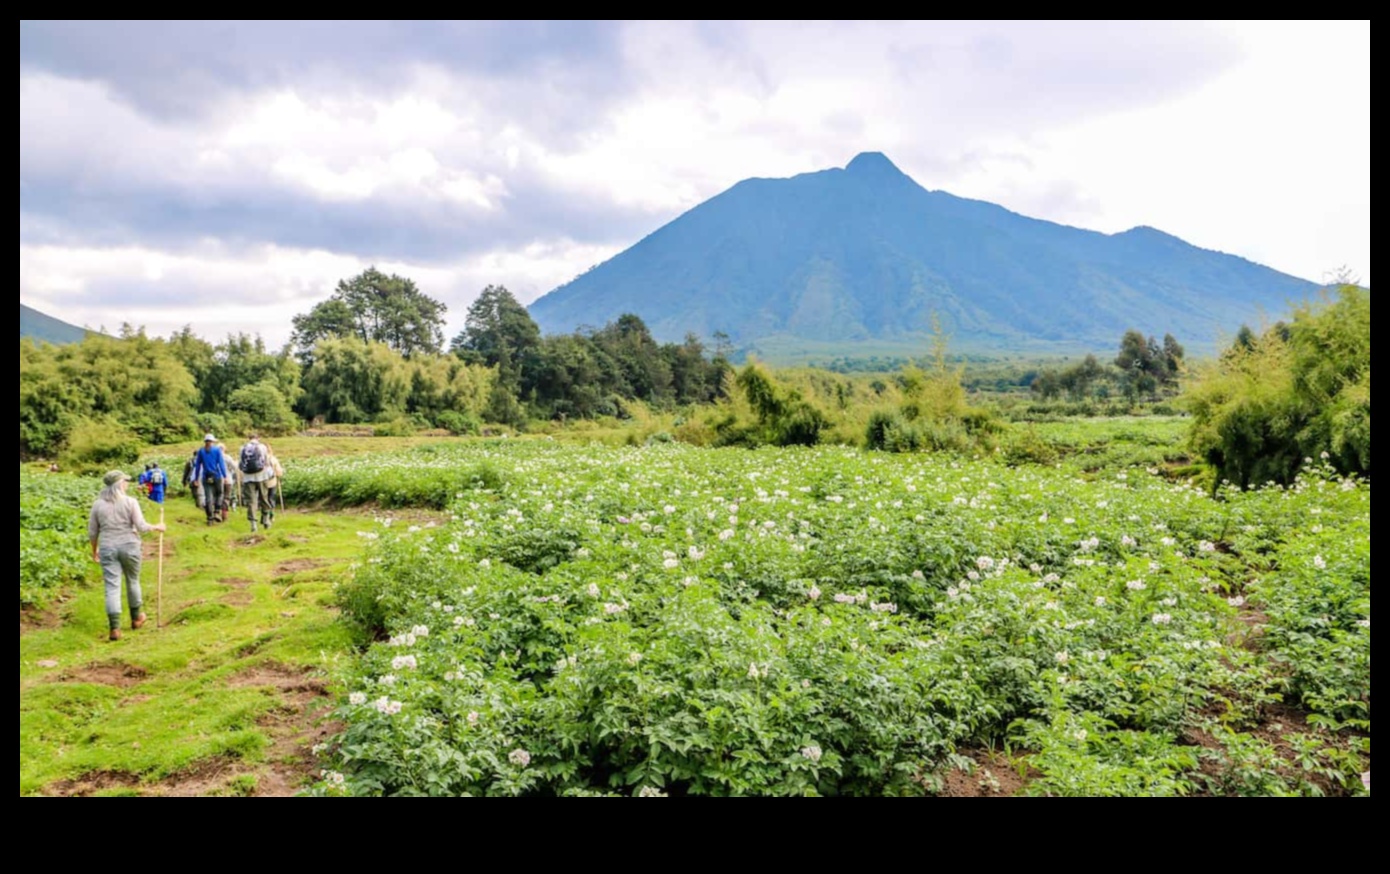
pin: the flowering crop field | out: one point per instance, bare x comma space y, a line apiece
52, 534
670, 621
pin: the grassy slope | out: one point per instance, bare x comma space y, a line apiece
222, 698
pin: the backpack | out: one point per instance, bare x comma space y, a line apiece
252, 458
157, 477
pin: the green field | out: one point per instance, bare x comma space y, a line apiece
527, 616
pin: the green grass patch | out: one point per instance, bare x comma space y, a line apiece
161, 701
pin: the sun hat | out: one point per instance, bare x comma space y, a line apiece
114, 477
208, 438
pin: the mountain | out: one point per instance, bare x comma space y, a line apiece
865, 255
42, 327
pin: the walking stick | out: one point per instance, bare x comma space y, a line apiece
159, 577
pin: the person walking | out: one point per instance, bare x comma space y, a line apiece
155, 482
195, 487
231, 485
272, 485
114, 527
210, 469
254, 465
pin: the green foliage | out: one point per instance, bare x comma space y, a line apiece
401, 426
52, 534
374, 308
498, 332
425, 477
829, 622
132, 381
457, 423
99, 446
353, 382
934, 414
206, 706
1295, 392
265, 407
784, 418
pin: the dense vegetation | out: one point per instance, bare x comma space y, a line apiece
52, 535
1296, 392
675, 621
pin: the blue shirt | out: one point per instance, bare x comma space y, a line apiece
156, 483
209, 462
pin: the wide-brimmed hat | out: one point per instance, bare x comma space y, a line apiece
208, 438
114, 477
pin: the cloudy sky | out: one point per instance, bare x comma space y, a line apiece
226, 175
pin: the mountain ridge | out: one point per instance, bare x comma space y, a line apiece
42, 327
864, 252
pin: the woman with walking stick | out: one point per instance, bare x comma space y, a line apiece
113, 529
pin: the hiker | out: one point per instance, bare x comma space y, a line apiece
253, 463
195, 486
231, 486
154, 481
143, 480
272, 485
210, 469
113, 528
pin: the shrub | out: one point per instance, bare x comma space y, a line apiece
458, 424
98, 446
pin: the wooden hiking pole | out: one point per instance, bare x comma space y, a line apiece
159, 577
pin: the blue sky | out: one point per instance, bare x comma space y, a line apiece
226, 175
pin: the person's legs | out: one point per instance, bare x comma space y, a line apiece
130, 567
268, 508
212, 496
250, 495
111, 572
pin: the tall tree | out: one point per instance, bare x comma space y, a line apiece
498, 330
375, 308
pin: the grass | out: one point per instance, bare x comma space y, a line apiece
221, 699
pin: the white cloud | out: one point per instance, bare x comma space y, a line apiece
259, 289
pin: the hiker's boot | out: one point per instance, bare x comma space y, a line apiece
138, 621
253, 527
114, 635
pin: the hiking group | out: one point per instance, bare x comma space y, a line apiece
218, 482
116, 522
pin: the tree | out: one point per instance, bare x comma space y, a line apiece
628, 342
497, 329
242, 361
375, 308
352, 381
265, 405
133, 382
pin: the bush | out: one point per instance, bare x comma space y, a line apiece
1298, 391
1026, 447
265, 407
52, 534
96, 447
458, 424
402, 426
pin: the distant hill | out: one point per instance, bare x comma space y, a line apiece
864, 253
43, 327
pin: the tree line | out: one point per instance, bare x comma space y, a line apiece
373, 352
1144, 369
